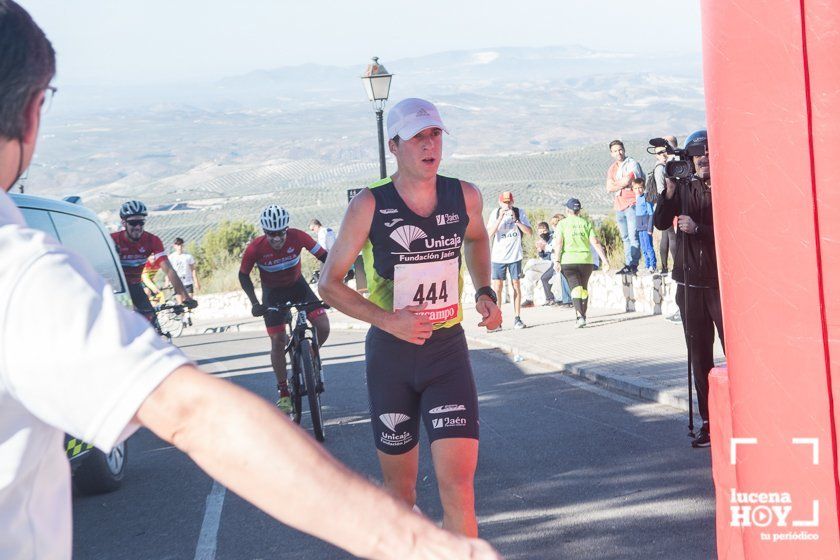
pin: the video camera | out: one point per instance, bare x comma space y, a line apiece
681, 167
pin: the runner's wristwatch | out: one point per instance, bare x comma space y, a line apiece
486, 291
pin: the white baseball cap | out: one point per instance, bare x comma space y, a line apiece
412, 115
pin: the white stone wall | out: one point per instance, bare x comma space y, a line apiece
606, 291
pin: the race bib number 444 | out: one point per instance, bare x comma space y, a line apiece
432, 283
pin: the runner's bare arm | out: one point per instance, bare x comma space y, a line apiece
273, 464
355, 229
477, 255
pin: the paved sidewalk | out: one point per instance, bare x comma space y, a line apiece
640, 355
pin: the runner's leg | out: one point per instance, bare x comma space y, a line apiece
585, 273
455, 461
572, 275
399, 474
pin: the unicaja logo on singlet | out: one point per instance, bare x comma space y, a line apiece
405, 235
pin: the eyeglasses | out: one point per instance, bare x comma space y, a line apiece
49, 94
135, 223
279, 233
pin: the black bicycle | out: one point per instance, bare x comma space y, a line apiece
168, 320
305, 358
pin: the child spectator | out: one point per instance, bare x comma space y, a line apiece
644, 224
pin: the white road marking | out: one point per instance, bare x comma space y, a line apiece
207, 539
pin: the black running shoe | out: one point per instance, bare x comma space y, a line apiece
702, 439
625, 270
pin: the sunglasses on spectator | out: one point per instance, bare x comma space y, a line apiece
135, 223
278, 233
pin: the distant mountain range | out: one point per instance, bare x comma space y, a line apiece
265, 132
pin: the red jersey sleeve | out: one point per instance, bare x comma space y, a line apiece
158, 254
249, 258
312, 245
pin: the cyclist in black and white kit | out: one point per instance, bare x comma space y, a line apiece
411, 228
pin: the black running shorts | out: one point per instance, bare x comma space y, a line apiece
300, 291
433, 381
141, 301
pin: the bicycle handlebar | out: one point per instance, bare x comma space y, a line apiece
300, 306
177, 308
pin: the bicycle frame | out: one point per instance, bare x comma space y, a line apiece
305, 361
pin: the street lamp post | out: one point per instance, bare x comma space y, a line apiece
377, 82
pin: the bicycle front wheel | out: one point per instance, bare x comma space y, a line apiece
307, 366
171, 323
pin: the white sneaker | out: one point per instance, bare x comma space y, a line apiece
581, 322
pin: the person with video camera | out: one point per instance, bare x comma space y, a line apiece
688, 198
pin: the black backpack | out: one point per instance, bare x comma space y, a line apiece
651, 194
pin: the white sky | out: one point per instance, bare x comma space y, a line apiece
157, 41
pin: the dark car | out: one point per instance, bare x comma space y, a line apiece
80, 230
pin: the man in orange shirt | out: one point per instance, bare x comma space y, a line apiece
620, 177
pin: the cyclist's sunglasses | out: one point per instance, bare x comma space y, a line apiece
278, 233
135, 223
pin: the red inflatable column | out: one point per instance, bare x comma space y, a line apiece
773, 118
823, 45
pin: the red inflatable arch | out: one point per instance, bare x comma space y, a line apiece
772, 82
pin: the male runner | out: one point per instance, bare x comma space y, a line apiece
277, 255
412, 227
137, 248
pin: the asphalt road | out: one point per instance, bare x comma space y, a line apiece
567, 470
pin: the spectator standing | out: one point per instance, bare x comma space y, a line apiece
506, 226
573, 239
75, 360
184, 265
619, 178
644, 224
325, 235
668, 243
698, 291
541, 269
326, 239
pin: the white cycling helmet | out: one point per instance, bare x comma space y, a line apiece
133, 208
274, 218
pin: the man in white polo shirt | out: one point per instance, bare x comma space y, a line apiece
506, 226
107, 373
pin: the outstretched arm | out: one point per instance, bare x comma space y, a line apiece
274, 465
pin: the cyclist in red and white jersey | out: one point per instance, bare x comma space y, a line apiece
277, 255
137, 248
